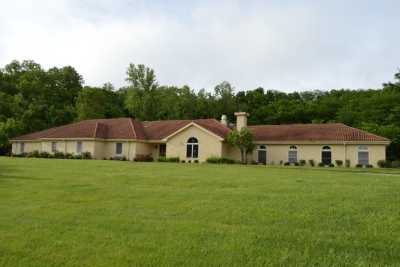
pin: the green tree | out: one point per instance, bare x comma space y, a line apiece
243, 140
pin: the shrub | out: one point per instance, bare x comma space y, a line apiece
59, 155
162, 159
281, 162
253, 162
302, 162
79, 156
195, 161
183, 161
395, 164
173, 159
296, 164
339, 162
217, 160
347, 163
359, 166
384, 163
286, 164
331, 165
68, 156
86, 155
44, 154
143, 158
321, 164
369, 166
311, 162
34, 154
121, 158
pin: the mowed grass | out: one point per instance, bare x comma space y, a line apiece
107, 213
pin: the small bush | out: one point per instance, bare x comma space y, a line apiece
196, 161
173, 159
143, 158
395, 164
121, 158
296, 164
331, 165
321, 164
44, 154
347, 163
339, 162
34, 154
359, 166
78, 156
68, 156
86, 155
369, 166
302, 162
183, 161
384, 163
162, 159
311, 162
286, 164
217, 160
59, 155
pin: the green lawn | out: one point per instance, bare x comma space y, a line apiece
107, 213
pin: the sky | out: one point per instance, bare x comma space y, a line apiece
287, 45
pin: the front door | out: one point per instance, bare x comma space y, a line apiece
262, 157
162, 150
326, 157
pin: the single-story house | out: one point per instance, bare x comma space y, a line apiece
200, 139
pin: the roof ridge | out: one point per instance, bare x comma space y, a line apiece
95, 129
133, 127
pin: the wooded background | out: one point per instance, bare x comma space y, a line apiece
32, 99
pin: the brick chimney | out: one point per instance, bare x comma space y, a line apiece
241, 120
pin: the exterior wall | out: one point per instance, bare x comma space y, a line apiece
376, 153
279, 153
209, 145
107, 149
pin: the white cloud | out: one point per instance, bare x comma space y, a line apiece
281, 46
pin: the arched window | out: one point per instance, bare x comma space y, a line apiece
292, 156
326, 155
363, 155
192, 148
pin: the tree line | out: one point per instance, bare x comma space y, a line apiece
33, 99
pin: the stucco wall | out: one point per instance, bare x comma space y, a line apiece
278, 153
209, 145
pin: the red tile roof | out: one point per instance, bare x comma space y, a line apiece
156, 130
120, 128
312, 132
127, 128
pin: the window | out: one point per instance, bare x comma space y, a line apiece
363, 155
118, 148
22, 148
262, 154
79, 147
53, 147
192, 148
326, 156
162, 150
292, 158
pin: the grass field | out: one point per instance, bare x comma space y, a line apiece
107, 213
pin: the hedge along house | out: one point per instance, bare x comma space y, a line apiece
192, 140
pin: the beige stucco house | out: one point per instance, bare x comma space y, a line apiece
192, 140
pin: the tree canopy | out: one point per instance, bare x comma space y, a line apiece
32, 99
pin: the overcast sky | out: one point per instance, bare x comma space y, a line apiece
281, 44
